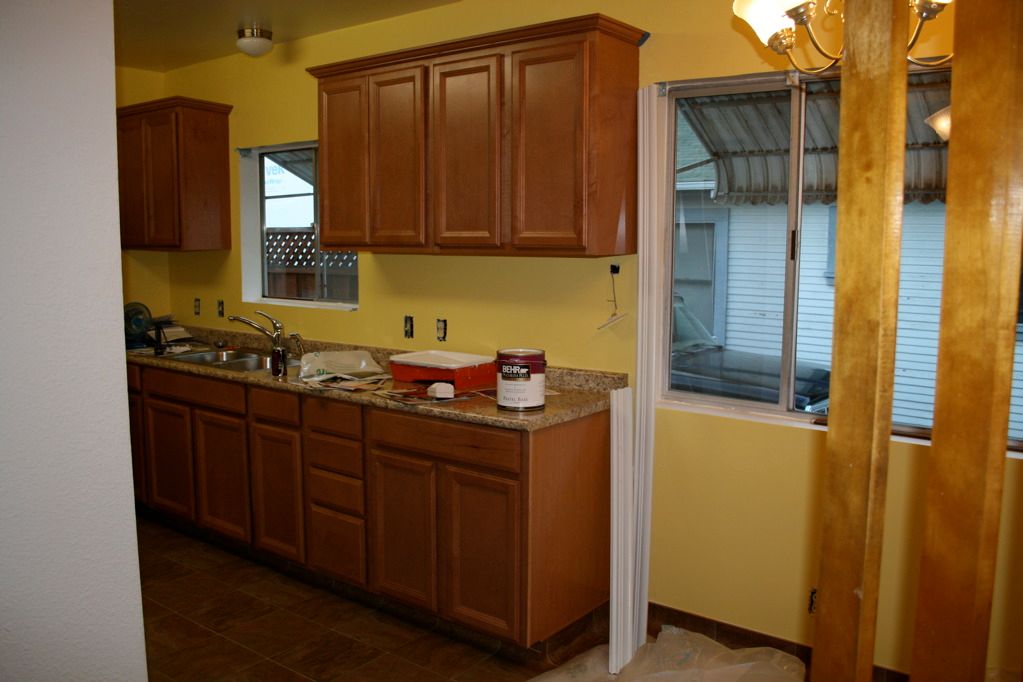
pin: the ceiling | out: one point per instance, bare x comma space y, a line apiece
160, 35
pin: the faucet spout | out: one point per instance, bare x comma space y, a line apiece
255, 325
278, 354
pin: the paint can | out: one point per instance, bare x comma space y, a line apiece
521, 379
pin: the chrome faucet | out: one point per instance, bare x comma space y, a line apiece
278, 354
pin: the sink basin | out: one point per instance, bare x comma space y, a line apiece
250, 364
214, 356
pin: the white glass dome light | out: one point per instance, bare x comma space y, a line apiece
255, 41
765, 17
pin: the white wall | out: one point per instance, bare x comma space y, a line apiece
70, 604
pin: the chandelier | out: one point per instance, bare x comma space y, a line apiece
775, 21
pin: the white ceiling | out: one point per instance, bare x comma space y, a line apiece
159, 35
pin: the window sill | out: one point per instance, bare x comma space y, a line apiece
293, 303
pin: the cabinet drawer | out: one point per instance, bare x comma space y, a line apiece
470, 443
340, 455
276, 406
333, 416
338, 492
222, 395
134, 378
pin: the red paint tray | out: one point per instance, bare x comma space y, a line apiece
464, 370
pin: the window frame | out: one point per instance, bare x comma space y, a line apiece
252, 229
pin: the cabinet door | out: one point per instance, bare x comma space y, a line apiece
397, 158
130, 181
336, 544
169, 457
480, 556
136, 423
344, 162
162, 205
465, 149
549, 146
277, 523
222, 474
403, 527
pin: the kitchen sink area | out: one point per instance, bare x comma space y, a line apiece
234, 360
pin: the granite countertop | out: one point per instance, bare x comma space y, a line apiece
574, 394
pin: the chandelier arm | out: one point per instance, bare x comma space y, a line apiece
916, 34
812, 70
820, 48
938, 61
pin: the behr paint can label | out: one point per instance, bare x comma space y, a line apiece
521, 379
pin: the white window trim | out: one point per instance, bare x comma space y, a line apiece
251, 232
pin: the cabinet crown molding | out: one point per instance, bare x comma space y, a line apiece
177, 101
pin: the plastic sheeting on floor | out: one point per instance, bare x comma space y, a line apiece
682, 656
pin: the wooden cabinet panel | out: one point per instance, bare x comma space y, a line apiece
160, 154
222, 474
403, 527
549, 127
227, 396
337, 544
277, 518
344, 162
332, 416
131, 182
334, 454
169, 458
480, 445
480, 551
136, 422
465, 144
342, 493
397, 157
277, 406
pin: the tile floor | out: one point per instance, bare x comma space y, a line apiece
210, 615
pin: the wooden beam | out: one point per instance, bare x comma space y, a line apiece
872, 137
975, 349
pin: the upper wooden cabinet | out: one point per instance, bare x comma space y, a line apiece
521, 142
174, 176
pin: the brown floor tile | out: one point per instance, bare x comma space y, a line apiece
173, 633
199, 556
155, 568
228, 610
327, 657
381, 631
495, 669
267, 671
280, 590
329, 610
214, 659
275, 632
185, 594
151, 610
239, 572
441, 655
390, 668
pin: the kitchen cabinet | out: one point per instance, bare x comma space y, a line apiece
196, 453
137, 429
173, 175
473, 522
276, 458
334, 489
531, 144
373, 159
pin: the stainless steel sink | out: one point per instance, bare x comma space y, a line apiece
238, 360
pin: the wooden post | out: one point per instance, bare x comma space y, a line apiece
872, 139
976, 343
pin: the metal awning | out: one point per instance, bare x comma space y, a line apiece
740, 143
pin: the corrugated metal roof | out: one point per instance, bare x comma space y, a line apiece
744, 138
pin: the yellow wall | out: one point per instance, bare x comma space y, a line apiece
734, 536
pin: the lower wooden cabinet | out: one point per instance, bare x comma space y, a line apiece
222, 474
169, 457
277, 519
403, 527
136, 424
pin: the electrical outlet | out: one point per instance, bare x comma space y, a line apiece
442, 329
410, 330
615, 268
195, 306
220, 307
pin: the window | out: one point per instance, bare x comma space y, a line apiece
753, 260
282, 259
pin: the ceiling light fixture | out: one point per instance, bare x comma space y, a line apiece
255, 41
775, 21
941, 122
